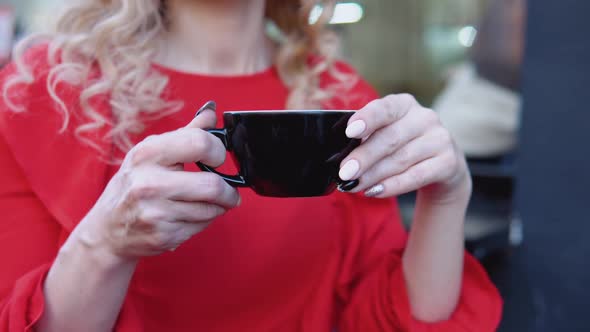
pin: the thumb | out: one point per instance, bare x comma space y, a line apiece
205, 118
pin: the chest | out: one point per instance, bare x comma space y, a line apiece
270, 247
264, 255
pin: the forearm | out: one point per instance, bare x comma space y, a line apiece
433, 259
84, 289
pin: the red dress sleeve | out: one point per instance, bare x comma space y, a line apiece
48, 181
28, 243
372, 289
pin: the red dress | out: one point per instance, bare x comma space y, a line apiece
314, 264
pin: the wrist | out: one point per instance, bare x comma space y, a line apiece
455, 192
85, 278
101, 258
88, 243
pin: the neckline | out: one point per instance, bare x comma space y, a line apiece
269, 71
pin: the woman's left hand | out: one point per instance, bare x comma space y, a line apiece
405, 148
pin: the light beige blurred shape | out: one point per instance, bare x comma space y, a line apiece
482, 117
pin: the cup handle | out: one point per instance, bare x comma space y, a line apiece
232, 180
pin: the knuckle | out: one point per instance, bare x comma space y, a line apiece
407, 100
142, 152
367, 177
141, 188
392, 109
216, 149
393, 141
418, 177
450, 163
124, 177
391, 100
373, 104
445, 137
395, 182
403, 158
441, 137
211, 211
159, 240
198, 141
399, 105
150, 216
213, 185
431, 117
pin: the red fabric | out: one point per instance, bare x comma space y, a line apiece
271, 265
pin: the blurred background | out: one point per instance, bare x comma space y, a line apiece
509, 79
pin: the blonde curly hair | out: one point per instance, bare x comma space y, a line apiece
118, 37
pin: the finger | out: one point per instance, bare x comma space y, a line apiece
378, 114
381, 144
198, 212
180, 146
204, 187
183, 186
418, 176
416, 151
200, 187
205, 119
178, 211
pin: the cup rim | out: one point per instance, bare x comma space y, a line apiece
273, 112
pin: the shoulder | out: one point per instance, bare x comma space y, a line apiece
23, 82
32, 67
53, 159
27, 106
347, 87
38, 86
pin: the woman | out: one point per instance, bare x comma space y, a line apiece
104, 229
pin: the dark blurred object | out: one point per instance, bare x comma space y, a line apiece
553, 174
492, 224
498, 49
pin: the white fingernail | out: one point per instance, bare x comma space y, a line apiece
349, 170
356, 129
375, 190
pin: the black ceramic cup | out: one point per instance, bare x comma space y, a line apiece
286, 153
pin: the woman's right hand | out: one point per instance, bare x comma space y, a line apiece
152, 205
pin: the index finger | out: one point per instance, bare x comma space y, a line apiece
184, 145
379, 113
